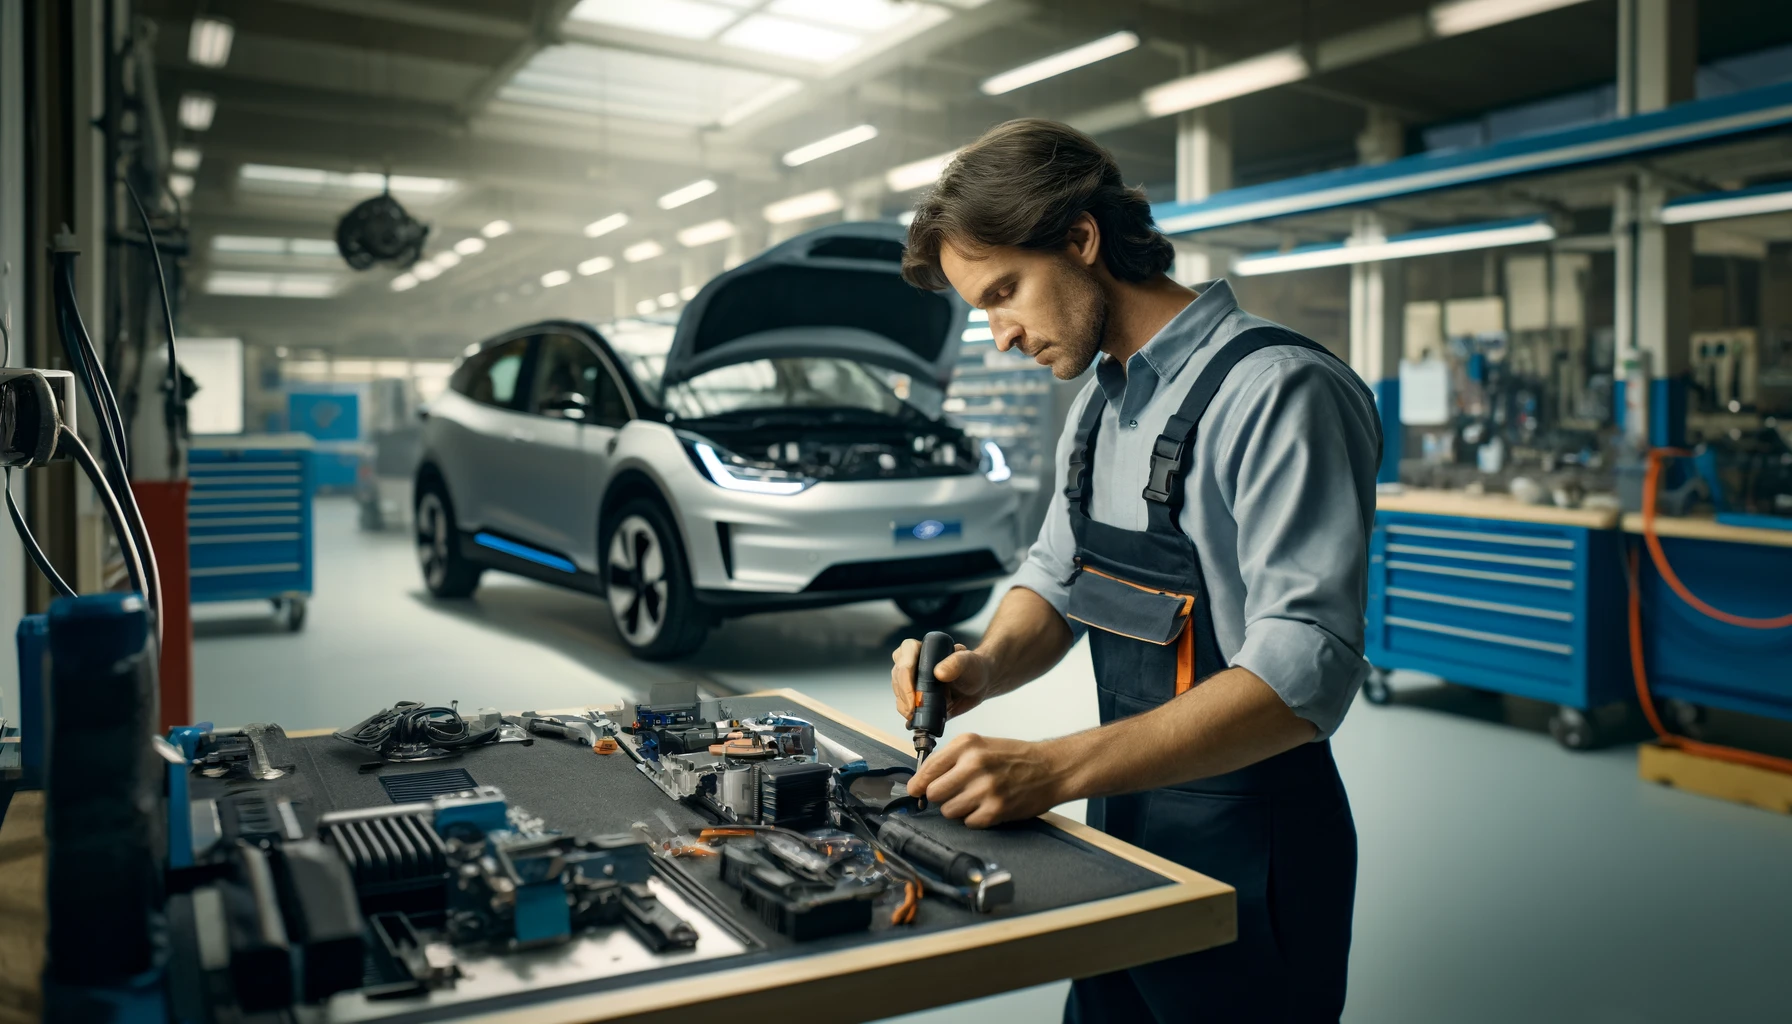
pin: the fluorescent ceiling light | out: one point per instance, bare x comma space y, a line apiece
832, 144
426, 271
668, 300
604, 225
185, 158
261, 245
754, 104
596, 265
404, 282
555, 278
979, 316
1459, 16
197, 110
1721, 205
642, 251
905, 218
316, 181
208, 42
686, 19
705, 233
688, 292
496, 228
472, 245
782, 37
865, 16
809, 204
921, 172
689, 194
447, 259
1266, 71
1058, 63
311, 246
181, 185
286, 286
645, 306
972, 335
1418, 243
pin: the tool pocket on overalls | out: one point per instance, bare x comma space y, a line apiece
1128, 609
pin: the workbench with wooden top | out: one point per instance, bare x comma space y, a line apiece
1084, 903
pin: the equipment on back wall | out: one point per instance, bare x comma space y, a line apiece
380, 230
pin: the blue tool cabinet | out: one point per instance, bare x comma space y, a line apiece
1533, 609
249, 520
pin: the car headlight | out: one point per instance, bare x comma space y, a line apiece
995, 464
730, 471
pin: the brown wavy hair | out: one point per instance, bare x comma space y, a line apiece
1024, 183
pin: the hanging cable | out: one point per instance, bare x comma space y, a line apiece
38, 558
176, 400
1651, 486
133, 559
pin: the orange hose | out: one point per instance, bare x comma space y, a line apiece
1651, 485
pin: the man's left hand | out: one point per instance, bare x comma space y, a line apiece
988, 781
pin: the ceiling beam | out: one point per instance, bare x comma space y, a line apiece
544, 20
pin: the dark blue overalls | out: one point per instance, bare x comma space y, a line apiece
1279, 831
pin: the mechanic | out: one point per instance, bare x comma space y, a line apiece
1209, 533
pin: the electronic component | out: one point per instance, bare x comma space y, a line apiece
794, 794
799, 907
985, 885
409, 731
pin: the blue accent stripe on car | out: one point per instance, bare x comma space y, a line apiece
523, 551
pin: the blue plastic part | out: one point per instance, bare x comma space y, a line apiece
34, 645
1667, 412
140, 1000
542, 913
185, 738
1393, 432
485, 811
523, 551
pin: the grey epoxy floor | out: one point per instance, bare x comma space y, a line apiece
1501, 878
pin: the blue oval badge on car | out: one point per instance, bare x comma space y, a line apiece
928, 529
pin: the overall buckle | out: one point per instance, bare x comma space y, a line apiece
1166, 466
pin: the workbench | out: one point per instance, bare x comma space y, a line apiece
1496, 594
1085, 903
1697, 659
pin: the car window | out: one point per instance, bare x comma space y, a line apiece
796, 383
566, 373
611, 408
490, 377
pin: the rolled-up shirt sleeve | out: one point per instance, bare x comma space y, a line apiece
1301, 493
1047, 569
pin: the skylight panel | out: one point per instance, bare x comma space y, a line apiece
863, 16
686, 19
783, 37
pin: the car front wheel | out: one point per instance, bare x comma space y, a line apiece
445, 571
648, 586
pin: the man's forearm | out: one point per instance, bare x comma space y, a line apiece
1232, 719
1025, 638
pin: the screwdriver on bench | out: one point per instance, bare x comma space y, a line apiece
929, 716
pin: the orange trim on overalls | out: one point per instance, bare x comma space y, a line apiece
1185, 640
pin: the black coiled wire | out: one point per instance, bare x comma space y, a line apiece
409, 731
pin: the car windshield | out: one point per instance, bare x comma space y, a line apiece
764, 384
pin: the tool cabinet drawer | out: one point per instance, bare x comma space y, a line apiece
249, 523
1502, 604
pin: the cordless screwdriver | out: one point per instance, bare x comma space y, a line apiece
929, 717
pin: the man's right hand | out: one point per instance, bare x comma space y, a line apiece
965, 673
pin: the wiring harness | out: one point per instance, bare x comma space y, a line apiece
410, 731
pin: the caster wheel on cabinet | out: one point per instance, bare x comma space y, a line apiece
1574, 729
1376, 689
1683, 717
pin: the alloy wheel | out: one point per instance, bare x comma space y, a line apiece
637, 581
432, 540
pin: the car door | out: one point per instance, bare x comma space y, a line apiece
485, 477
563, 466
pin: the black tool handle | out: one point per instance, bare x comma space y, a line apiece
930, 693
908, 842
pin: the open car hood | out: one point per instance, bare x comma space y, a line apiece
835, 291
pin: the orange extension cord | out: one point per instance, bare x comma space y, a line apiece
1717, 752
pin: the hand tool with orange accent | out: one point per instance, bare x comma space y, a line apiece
928, 719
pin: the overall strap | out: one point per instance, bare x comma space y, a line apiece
1077, 483
1170, 452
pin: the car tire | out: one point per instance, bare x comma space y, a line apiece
647, 583
936, 611
446, 572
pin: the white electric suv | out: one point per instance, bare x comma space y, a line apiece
785, 450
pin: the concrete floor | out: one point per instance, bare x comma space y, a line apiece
1501, 878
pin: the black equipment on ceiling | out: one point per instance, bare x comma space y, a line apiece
379, 230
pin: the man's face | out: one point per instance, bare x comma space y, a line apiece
1047, 304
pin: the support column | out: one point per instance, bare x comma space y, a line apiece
1378, 304
1203, 167
1657, 59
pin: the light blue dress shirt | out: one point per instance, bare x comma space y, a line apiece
1280, 498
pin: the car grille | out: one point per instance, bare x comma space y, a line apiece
897, 572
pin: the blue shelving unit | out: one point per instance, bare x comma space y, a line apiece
249, 520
